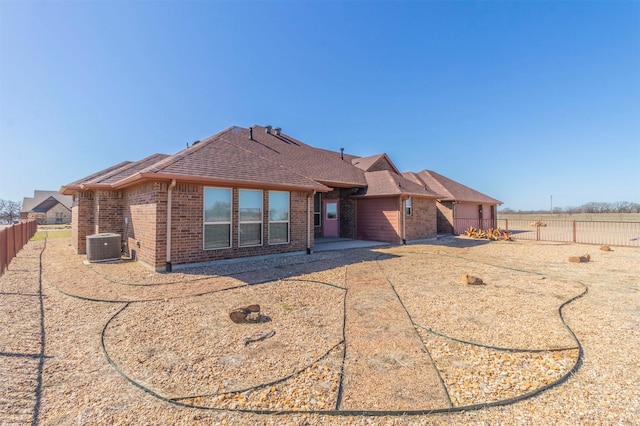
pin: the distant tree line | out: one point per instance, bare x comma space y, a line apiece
9, 211
591, 207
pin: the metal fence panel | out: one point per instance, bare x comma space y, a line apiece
584, 232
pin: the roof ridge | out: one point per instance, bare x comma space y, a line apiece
195, 147
114, 172
279, 164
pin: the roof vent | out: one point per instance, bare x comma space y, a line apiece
195, 143
267, 129
251, 132
342, 153
277, 131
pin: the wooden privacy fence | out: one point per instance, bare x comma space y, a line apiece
570, 231
12, 239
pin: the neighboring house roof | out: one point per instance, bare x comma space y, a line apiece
30, 203
46, 205
386, 183
449, 189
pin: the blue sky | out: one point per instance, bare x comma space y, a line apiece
519, 100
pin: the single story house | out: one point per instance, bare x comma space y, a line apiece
460, 206
47, 208
247, 192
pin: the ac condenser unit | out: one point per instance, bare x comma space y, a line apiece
101, 247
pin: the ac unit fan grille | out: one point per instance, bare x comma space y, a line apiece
101, 247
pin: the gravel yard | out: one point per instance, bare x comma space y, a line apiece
387, 336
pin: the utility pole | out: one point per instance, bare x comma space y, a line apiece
551, 204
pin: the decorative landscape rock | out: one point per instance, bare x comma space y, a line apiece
470, 279
580, 259
250, 313
605, 248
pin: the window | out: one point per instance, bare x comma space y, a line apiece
317, 209
250, 218
278, 217
407, 207
217, 218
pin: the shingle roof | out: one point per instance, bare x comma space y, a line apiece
46, 205
324, 166
29, 203
256, 157
219, 159
76, 185
386, 183
450, 189
124, 172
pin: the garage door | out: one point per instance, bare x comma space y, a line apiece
378, 219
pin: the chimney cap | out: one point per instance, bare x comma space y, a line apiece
267, 128
277, 130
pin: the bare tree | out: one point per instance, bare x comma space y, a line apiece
10, 210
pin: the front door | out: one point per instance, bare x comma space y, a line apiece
331, 225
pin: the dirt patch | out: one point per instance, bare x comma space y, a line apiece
176, 340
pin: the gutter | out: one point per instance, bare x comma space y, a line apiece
168, 246
309, 221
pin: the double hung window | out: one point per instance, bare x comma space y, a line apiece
278, 217
250, 218
217, 218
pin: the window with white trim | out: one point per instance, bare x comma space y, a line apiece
217, 218
278, 217
407, 207
249, 217
317, 209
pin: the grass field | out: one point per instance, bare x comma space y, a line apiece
51, 234
589, 217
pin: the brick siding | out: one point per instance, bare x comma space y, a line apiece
422, 223
347, 212
82, 220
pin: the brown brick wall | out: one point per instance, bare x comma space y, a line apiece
82, 220
145, 233
422, 223
347, 212
187, 228
140, 208
445, 217
109, 207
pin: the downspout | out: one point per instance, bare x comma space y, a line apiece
168, 257
309, 221
404, 221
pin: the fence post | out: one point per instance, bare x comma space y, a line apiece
537, 233
506, 224
574, 231
3, 250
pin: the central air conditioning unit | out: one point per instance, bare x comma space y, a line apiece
102, 247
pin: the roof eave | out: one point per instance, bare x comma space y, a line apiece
201, 180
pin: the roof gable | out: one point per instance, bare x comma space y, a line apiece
383, 183
47, 205
39, 196
375, 163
